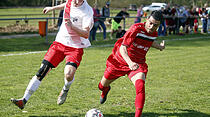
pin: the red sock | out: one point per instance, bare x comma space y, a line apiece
140, 97
103, 89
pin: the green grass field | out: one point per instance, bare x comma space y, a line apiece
177, 83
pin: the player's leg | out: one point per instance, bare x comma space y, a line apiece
114, 28
139, 82
33, 84
52, 58
69, 72
104, 29
111, 73
104, 86
73, 59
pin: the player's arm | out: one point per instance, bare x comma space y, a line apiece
81, 32
124, 53
58, 7
158, 46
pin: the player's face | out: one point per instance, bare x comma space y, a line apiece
151, 25
77, 2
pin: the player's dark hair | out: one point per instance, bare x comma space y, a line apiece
157, 15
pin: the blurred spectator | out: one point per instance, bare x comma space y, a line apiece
162, 27
196, 20
120, 33
167, 12
105, 12
192, 18
117, 19
177, 18
209, 21
183, 19
170, 19
139, 14
188, 21
204, 14
96, 15
60, 20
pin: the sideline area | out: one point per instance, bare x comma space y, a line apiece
24, 36
105, 45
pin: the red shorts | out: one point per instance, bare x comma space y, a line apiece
57, 52
115, 69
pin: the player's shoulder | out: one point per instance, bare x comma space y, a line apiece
88, 9
136, 27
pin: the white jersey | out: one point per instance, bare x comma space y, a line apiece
81, 17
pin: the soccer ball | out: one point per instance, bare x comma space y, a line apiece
94, 113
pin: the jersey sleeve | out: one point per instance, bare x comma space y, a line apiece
88, 20
129, 36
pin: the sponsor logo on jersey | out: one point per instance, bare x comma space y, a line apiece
75, 19
141, 47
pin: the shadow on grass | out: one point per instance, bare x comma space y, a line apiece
183, 113
59, 116
52, 116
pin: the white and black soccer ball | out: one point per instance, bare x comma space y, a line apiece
94, 113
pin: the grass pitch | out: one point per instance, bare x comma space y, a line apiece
177, 83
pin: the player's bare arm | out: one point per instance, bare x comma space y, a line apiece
58, 7
82, 32
158, 46
132, 65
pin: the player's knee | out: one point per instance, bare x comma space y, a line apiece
44, 69
139, 85
69, 77
69, 71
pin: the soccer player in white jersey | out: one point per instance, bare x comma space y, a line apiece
69, 43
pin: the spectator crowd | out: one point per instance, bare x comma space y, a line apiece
185, 17
178, 20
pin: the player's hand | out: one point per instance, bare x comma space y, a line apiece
68, 22
133, 66
47, 9
162, 45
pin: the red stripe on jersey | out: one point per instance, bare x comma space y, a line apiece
67, 9
138, 42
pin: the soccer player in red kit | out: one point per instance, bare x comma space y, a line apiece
128, 57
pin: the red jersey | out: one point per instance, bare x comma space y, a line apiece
137, 41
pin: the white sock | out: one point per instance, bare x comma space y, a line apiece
32, 87
67, 84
